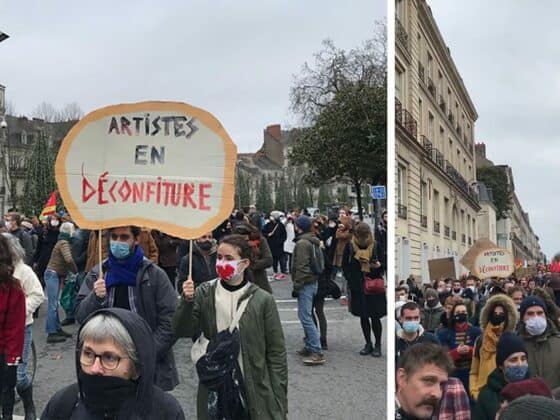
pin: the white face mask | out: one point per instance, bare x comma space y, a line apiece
54, 223
535, 325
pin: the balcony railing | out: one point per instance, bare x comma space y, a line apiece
398, 112
410, 124
427, 145
436, 226
438, 158
442, 103
463, 238
424, 221
402, 211
453, 235
421, 73
446, 231
431, 86
401, 35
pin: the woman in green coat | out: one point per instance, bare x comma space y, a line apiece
211, 308
512, 366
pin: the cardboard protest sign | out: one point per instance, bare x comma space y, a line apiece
442, 268
485, 259
163, 165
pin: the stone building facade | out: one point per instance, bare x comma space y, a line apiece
436, 197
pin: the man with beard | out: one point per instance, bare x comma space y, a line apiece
422, 372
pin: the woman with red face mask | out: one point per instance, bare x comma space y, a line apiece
256, 342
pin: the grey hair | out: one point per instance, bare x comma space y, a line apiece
103, 327
67, 227
17, 251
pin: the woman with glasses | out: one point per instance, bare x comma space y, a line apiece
115, 364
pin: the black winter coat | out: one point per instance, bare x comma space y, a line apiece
203, 269
79, 248
47, 240
150, 402
381, 245
275, 234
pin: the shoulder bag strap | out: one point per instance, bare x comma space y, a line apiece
240, 309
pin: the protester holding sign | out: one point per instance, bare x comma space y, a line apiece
257, 344
131, 281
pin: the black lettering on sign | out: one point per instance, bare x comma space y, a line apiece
140, 155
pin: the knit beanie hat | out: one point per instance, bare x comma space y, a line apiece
531, 301
532, 407
533, 386
431, 293
508, 344
304, 223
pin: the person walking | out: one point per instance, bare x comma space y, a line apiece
360, 260
275, 234
34, 296
257, 351
289, 243
60, 264
48, 237
261, 258
12, 327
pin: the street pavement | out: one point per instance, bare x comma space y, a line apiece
348, 386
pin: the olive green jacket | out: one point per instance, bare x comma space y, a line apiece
265, 365
301, 261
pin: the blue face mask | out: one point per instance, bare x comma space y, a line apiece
120, 250
516, 373
411, 327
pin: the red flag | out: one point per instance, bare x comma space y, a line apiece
50, 207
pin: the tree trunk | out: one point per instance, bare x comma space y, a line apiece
358, 186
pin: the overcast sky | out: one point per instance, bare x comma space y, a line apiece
235, 59
509, 57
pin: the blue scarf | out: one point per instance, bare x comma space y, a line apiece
123, 272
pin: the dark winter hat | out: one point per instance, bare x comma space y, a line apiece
533, 386
304, 223
508, 344
531, 301
431, 293
532, 406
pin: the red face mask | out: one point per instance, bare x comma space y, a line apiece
227, 270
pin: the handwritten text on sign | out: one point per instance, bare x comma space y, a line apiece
163, 165
494, 263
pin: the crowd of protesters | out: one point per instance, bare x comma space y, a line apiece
467, 349
142, 295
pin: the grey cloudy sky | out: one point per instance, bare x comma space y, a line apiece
235, 59
509, 57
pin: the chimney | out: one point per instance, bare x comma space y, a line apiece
480, 150
274, 131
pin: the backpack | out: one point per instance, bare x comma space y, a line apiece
317, 259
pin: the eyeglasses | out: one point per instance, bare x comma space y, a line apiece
109, 361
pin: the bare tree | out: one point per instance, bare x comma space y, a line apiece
47, 112
10, 108
71, 112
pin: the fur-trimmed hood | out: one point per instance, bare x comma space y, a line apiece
509, 306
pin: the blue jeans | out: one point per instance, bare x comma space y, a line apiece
305, 306
23, 378
53, 289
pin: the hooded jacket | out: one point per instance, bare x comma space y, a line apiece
431, 317
489, 400
301, 260
263, 351
484, 364
155, 301
150, 402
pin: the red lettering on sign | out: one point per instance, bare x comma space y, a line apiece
188, 190
202, 196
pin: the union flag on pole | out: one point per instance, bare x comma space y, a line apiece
50, 207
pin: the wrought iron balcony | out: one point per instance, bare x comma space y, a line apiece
446, 231
431, 86
410, 124
402, 211
453, 235
438, 158
427, 145
398, 112
421, 74
401, 35
442, 103
424, 221
436, 226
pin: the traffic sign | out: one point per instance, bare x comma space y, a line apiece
378, 192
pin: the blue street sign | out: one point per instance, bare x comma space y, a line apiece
378, 192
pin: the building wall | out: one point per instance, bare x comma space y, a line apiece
487, 222
437, 206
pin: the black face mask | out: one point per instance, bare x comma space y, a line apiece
496, 319
432, 303
105, 394
457, 290
460, 318
205, 245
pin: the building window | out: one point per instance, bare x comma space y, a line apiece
23, 137
399, 85
435, 211
420, 117
401, 192
424, 204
